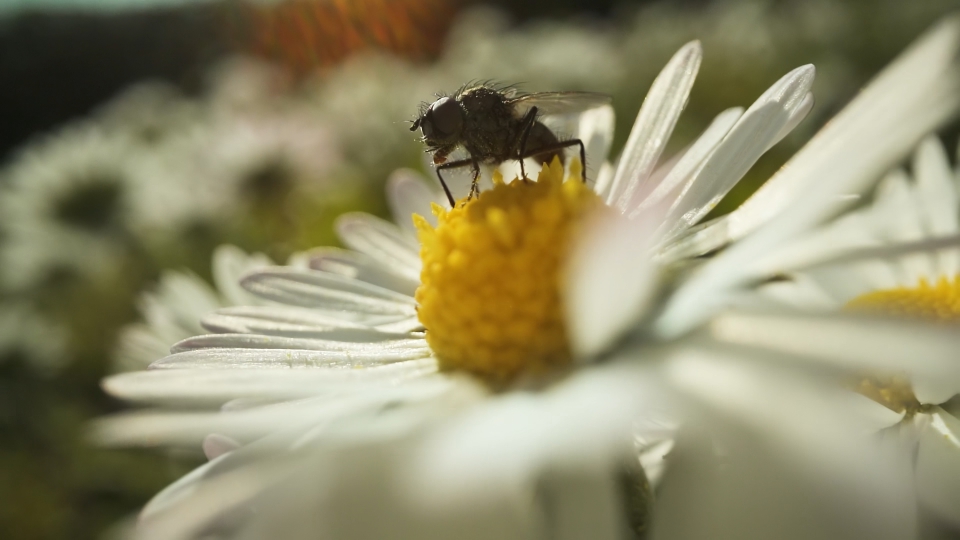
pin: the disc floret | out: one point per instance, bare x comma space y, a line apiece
930, 301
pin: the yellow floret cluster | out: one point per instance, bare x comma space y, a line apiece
939, 301
490, 287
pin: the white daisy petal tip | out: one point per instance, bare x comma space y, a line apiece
655, 121
610, 283
216, 445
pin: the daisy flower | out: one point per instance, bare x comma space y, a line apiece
151, 168
915, 214
249, 144
450, 392
64, 206
149, 113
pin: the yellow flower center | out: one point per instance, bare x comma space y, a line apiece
937, 302
490, 287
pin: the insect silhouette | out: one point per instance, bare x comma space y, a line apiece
495, 124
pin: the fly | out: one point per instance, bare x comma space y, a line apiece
496, 124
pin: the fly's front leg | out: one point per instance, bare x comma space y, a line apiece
527, 124
474, 188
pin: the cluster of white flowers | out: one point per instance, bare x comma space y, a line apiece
364, 394
153, 167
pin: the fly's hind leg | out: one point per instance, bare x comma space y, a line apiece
528, 121
558, 146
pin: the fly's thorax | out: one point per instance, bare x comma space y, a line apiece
491, 127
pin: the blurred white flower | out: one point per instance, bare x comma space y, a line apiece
250, 140
908, 266
64, 204
148, 113
232, 161
153, 167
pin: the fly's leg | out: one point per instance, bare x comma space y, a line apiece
475, 185
456, 165
557, 146
446, 190
527, 124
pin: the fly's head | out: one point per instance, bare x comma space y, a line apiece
441, 125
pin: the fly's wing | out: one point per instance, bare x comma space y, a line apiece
559, 103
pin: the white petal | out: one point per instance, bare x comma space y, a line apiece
605, 180
516, 435
306, 323
314, 289
381, 240
214, 387
848, 233
151, 428
358, 266
408, 193
610, 283
596, 131
365, 356
798, 114
875, 416
938, 197
882, 253
897, 218
914, 95
229, 264
938, 466
583, 505
195, 505
658, 115
846, 282
934, 390
848, 342
754, 133
801, 292
216, 445
681, 173
321, 501
253, 341
274, 320
769, 455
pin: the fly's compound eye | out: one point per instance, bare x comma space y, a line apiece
446, 116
